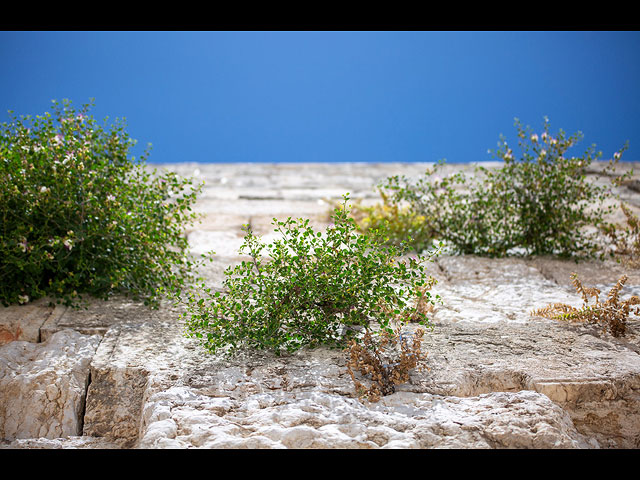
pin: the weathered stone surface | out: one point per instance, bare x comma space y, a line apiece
114, 397
535, 383
180, 418
497, 377
591, 375
24, 322
96, 316
43, 386
71, 442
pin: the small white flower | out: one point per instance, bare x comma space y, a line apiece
68, 244
57, 139
23, 298
616, 156
534, 137
111, 198
543, 152
44, 189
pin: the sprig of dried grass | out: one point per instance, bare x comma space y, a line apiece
386, 359
612, 313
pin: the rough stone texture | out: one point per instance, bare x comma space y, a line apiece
500, 378
592, 376
98, 316
71, 442
24, 322
181, 398
43, 386
183, 419
497, 377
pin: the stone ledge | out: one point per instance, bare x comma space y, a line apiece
25, 322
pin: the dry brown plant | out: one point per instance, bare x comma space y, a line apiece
612, 313
386, 359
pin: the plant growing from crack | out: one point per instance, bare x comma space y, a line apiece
310, 288
386, 360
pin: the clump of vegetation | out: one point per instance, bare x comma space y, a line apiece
78, 216
386, 359
625, 239
537, 204
401, 223
309, 288
612, 313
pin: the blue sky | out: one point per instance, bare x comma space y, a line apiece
333, 95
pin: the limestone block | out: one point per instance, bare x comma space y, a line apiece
594, 377
128, 354
43, 386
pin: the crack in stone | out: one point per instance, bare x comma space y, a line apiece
83, 406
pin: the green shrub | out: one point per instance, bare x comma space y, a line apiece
400, 222
80, 217
540, 203
309, 288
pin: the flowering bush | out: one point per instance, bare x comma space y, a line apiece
79, 216
537, 204
310, 288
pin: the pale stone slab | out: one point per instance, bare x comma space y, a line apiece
43, 386
96, 316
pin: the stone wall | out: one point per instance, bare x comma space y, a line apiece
118, 375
